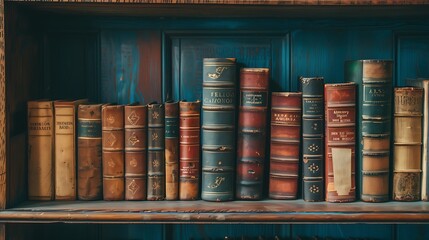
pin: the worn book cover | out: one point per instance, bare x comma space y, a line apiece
66, 149
285, 144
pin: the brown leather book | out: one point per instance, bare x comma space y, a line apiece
407, 153
156, 156
171, 150
89, 170
113, 151
285, 144
189, 150
340, 142
252, 132
65, 149
135, 119
40, 117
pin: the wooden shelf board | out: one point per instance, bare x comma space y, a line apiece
227, 10
268, 211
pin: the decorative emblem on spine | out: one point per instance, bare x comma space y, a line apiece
314, 189
155, 163
218, 181
111, 163
313, 148
111, 139
155, 115
133, 118
133, 187
110, 119
156, 185
313, 168
315, 126
133, 139
133, 162
218, 72
155, 136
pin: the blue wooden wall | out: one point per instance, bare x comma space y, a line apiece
148, 60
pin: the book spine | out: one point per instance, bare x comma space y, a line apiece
190, 160
135, 119
424, 83
285, 144
172, 150
89, 171
252, 132
218, 129
156, 155
113, 152
340, 142
40, 150
407, 143
65, 151
312, 138
374, 84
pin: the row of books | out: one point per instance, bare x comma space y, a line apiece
216, 149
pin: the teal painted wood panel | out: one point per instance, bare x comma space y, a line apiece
250, 50
230, 231
412, 57
130, 66
132, 231
323, 52
344, 231
412, 232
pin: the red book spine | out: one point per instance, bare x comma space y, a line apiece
340, 120
285, 144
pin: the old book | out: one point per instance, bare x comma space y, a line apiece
252, 132
135, 124
407, 143
340, 142
424, 83
65, 149
113, 152
218, 129
312, 138
155, 152
285, 144
374, 115
172, 150
40, 117
190, 160
89, 148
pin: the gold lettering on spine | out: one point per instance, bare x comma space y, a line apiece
218, 181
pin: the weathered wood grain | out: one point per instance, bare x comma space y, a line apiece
268, 211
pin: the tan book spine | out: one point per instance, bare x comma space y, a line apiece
65, 149
40, 150
135, 151
171, 150
113, 152
407, 143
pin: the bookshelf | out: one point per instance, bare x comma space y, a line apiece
81, 49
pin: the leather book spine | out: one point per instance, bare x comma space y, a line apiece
285, 144
135, 120
374, 116
218, 129
424, 83
171, 150
40, 117
407, 143
340, 142
65, 149
155, 154
89, 161
312, 138
252, 133
190, 160
113, 152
